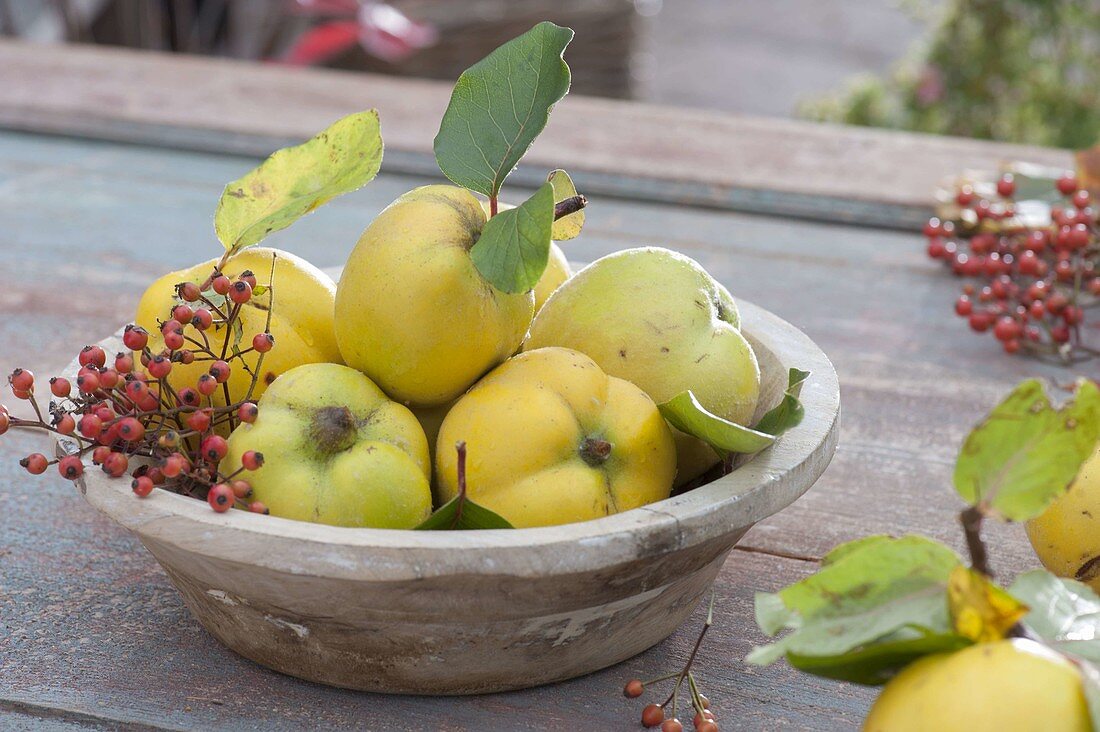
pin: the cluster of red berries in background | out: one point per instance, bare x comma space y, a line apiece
663, 715
129, 419
1034, 281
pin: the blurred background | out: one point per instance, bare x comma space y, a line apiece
1014, 70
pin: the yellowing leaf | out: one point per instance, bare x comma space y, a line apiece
980, 610
296, 180
567, 227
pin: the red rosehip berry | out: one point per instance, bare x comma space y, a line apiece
173, 340
1067, 184
672, 725
108, 379
60, 387
1073, 315
221, 284
934, 227
1011, 345
257, 507
188, 291
220, 370
241, 489
249, 277
652, 715
263, 342
248, 412
188, 397
240, 292
1060, 334
704, 716
174, 465
169, 440
90, 426
70, 467
1081, 198
116, 464
21, 380
136, 389
130, 429
135, 337
965, 196
142, 486
184, 356
160, 366
220, 498
182, 314
1006, 186
124, 363
35, 464
706, 726
1056, 303
5, 420
207, 385
1006, 329
252, 460
200, 421
87, 380
100, 454
214, 448
66, 424
156, 475
202, 319
963, 306
635, 687
92, 356
936, 248
980, 322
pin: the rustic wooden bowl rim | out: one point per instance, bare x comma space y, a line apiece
768, 482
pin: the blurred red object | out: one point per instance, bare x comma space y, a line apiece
382, 30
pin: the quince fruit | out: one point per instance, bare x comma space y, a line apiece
657, 319
301, 324
412, 311
1067, 535
552, 439
335, 451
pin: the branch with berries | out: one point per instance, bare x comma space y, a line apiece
1034, 274
131, 420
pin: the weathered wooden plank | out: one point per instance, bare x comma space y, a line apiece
90, 625
641, 151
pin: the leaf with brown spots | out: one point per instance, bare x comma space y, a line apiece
297, 180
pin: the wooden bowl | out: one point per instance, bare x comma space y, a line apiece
477, 611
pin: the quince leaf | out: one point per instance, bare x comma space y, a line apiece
500, 105
685, 413
789, 412
514, 246
1065, 614
460, 513
567, 227
296, 180
980, 610
875, 605
1026, 452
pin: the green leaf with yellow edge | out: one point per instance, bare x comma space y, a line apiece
567, 227
500, 105
514, 245
296, 180
1026, 453
875, 605
980, 610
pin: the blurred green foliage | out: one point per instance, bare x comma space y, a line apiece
1023, 71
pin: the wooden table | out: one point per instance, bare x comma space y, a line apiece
92, 635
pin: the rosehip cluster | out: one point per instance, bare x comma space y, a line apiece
1034, 281
129, 419
664, 715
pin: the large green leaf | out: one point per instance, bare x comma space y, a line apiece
874, 605
1026, 452
296, 180
1065, 614
500, 105
514, 245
